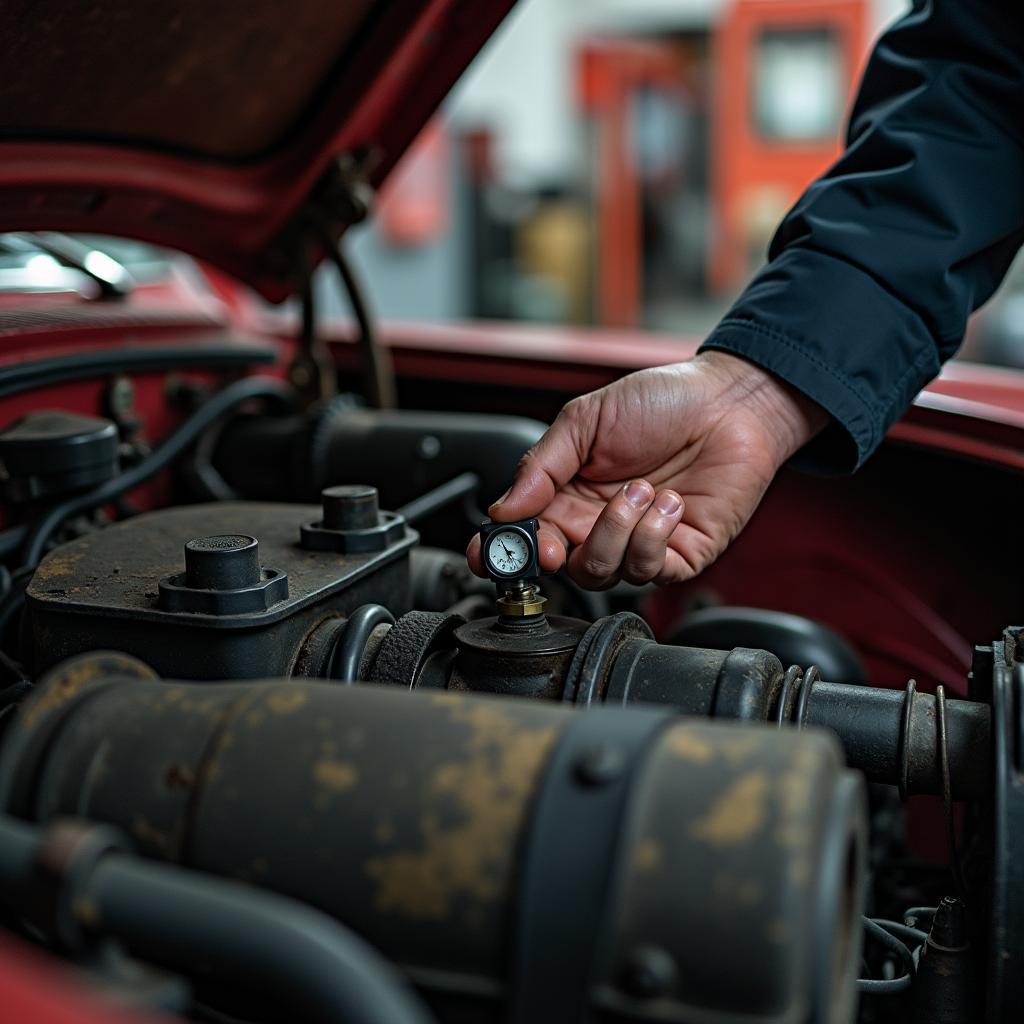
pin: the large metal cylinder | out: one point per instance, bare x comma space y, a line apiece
518, 860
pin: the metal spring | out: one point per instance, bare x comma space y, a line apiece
942, 739
906, 724
796, 687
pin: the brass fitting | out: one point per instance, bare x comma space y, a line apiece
522, 600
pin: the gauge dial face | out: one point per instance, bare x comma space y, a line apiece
508, 552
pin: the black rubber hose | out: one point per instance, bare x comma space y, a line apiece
207, 414
316, 968
18, 843
28, 375
12, 539
887, 986
350, 646
378, 372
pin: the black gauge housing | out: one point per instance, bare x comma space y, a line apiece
527, 529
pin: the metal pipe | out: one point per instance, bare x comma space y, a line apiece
318, 969
888, 743
433, 501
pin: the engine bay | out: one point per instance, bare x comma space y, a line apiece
267, 759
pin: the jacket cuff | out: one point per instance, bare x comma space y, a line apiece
834, 333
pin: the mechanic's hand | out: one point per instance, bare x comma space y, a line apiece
651, 477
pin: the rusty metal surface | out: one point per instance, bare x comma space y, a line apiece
117, 569
403, 817
514, 660
101, 591
408, 817
734, 833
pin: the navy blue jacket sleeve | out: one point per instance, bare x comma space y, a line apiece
872, 275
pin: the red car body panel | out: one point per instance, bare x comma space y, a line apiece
35, 989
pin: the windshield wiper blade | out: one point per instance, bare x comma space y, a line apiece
110, 277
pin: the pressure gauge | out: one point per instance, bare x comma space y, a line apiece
509, 550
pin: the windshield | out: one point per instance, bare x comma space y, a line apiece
92, 266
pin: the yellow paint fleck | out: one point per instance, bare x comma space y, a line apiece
737, 814
748, 893
689, 745
648, 856
488, 787
285, 701
146, 832
339, 776
59, 564
738, 749
87, 912
384, 832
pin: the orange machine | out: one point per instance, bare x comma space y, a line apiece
783, 76
771, 82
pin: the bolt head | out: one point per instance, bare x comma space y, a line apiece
600, 765
649, 972
429, 447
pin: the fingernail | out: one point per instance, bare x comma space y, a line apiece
638, 494
668, 503
501, 500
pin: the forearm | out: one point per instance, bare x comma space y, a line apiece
874, 272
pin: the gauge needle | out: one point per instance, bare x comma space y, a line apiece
507, 552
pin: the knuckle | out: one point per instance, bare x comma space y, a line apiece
641, 570
597, 567
620, 518
652, 532
574, 408
526, 458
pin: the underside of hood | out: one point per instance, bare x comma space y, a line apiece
220, 129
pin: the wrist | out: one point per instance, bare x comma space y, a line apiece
789, 418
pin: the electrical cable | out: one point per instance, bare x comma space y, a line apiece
31, 374
208, 413
377, 369
12, 601
350, 646
12, 539
919, 914
902, 931
942, 739
887, 986
202, 474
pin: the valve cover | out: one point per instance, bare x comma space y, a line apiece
135, 587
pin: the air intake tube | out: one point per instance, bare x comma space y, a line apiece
517, 860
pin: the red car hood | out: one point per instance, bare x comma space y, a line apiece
218, 128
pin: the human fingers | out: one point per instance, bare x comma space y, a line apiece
646, 553
597, 562
550, 464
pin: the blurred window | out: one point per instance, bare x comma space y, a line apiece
798, 84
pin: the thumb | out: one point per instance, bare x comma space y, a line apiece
550, 464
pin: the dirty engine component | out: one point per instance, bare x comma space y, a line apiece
513, 858
600, 851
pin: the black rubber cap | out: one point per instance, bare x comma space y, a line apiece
350, 507
54, 452
222, 562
